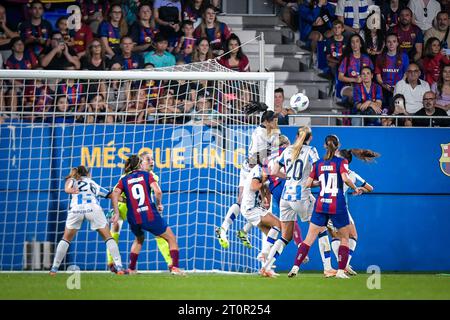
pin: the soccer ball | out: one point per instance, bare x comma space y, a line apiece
299, 102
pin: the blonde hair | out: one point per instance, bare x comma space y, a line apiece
303, 133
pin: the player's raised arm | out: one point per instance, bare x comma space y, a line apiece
70, 186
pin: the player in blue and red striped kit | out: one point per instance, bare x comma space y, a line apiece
331, 172
143, 214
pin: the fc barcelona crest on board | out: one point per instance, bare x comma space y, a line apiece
444, 161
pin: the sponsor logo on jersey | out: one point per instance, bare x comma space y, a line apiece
444, 161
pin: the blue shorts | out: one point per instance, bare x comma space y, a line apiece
157, 227
339, 220
276, 197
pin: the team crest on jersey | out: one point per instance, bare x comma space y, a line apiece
444, 161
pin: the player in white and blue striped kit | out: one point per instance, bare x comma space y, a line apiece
85, 205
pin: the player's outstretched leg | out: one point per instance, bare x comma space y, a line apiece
243, 235
113, 248
275, 252
221, 232
61, 249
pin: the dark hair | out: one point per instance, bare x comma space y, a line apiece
186, 22
392, 104
331, 144
36, 2
13, 41
337, 21
56, 32
365, 155
440, 83
94, 95
366, 67
380, 34
442, 12
279, 90
239, 53
268, 115
159, 38
78, 172
132, 163
348, 49
407, 9
428, 51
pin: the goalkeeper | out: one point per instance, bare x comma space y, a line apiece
163, 246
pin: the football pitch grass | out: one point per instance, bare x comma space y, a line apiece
221, 287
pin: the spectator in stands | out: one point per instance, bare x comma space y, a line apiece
353, 60
235, 59
429, 109
184, 94
335, 47
138, 107
390, 67
20, 59
130, 9
202, 52
160, 57
412, 88
390, 10
216, 32
192, 11
445, 5
95, 58
374, 38
353, 13
203, 105
59, 55
283, 113
97, 105
442, 89
143, 31
74, 91
127, 59
7, 32
424, 12
36, 32
166, 106
39, 96
410, 36
441, 30
80, 36
288, 12
434, 58
186, 44
63, 28
367, 97
112, 30
93, 12
396, 108
316, 23
118, 91
62, 106
168, 19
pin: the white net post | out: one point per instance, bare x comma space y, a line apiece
190, 117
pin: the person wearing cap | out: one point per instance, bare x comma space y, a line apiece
160, 57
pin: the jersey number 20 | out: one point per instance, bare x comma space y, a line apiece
294, 170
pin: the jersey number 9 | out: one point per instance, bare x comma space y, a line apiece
138, 193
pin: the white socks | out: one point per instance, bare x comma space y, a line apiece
325, 250
114, 250
61, 251
232, 214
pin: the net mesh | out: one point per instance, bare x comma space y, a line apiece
196, 131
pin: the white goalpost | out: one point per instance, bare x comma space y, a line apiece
189, 117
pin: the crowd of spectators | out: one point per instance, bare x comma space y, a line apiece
401, 46
119, 35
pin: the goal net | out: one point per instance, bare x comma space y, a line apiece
189, 117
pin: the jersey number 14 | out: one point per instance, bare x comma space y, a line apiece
330, 186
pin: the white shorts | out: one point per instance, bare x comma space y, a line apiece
254, 215
289, 210
91, 212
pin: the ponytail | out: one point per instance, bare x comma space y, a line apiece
132, 163
331, 144
303, 134
78, 172
365, 155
